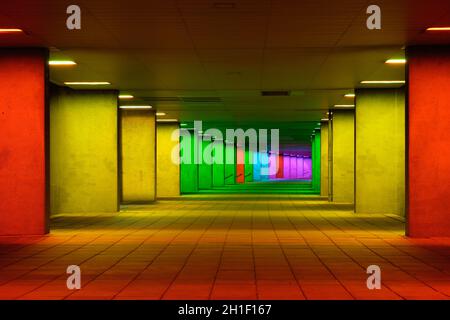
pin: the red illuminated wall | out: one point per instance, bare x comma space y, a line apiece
240, 166
429, 142
280, 173
22, 142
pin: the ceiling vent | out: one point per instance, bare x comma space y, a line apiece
275, 93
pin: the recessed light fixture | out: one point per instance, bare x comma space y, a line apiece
350, 95
62, 63
384, 82
136, 107
160, 114
395, 61
438, 29
183, 124
325, 119
87, 83
172, 120
344, 105
125, 96
10, 30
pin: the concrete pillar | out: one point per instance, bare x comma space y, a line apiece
280, 171
324, 159
428, 157
343, 156
167, 170
273, 166
83, 151
138, 156
300, 168
248, 166
293, 166
23, 151
307, 168
286, 167
256, 167
240, 164
380, 151
230, 164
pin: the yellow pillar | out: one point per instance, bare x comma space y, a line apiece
324, 159
138, 156
343, 156
167, 169
83, 151
380, 151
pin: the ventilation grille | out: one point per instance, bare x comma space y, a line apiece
275, 93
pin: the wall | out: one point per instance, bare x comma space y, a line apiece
219, 167
205, 168
343, 156
324, 159
380, 151
188, 167
138, 152
316, 162
428, 141
23, 110
167, 171
230, 166
83, 151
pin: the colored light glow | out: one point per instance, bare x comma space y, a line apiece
126, 96
136, 107
384, 82
10, 30
62, 63
183, 124
438, 29
167, 120
160, 114
395, 61
350, 95
87, 83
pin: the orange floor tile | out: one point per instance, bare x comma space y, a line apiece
226, 247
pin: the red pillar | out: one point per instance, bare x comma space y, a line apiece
23, 194
428, 158
280, 173
240, 165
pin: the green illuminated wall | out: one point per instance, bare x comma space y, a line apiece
380, 151
219, 169
343, 156
83, 151
230, 168
205, 170
188, 171
316, 168
248, 166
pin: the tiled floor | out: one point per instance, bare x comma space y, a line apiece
230, 247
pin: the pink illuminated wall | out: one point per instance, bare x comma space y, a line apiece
293, 161
307, 168
300, 168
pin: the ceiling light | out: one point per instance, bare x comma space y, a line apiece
126, 96
438, 29
10, 30
61, 63
395, 61
160, 114
384, 82
87, 83
350, 95
344, 105
171, 120
324, 119
136, 107
183, 124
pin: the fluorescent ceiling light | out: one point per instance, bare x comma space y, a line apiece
183, 124
384, 82
438, 29
125, 96
171, 120
324, 119
87, 83
344, 105
395, 61
136, 107
350, 95
10, 30
61, 63
160, 114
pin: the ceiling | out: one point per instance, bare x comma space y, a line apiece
221, 54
